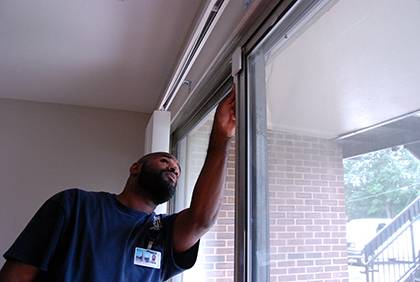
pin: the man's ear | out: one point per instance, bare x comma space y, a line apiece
135, 168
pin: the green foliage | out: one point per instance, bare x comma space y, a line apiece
381, 183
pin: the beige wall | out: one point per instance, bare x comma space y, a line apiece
45, 148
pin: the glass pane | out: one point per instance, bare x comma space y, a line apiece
215, 260
336, 144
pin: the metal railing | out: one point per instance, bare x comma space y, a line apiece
414, 276
394, 253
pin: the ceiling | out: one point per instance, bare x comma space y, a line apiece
116, 54
353, 67
404, 131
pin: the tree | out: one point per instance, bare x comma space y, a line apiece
381, 183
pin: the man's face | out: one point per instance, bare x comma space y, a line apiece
158, 178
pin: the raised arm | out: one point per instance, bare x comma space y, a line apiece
196, 220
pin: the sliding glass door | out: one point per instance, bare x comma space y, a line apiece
332, 94
323, 183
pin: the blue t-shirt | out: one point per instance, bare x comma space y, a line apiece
90, 236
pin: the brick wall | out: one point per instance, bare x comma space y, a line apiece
307, 213
217, 247
215, 258
306, 209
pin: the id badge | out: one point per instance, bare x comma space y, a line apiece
147, 258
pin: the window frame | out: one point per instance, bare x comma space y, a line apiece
283, 19
287, 13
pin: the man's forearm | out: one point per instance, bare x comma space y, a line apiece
194, 221
208, 191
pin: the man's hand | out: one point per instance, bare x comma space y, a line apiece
196, 220
225, 120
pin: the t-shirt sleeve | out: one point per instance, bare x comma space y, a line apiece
176, 263
38, 241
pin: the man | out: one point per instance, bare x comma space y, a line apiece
97, 236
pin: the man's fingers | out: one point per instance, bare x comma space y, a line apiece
229, 99
232, 95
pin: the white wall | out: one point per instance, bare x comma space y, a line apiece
45, 148
158, 131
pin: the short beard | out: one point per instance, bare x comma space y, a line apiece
152, 184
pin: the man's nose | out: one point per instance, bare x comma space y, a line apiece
172, 168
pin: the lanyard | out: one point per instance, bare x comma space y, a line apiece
154, 231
